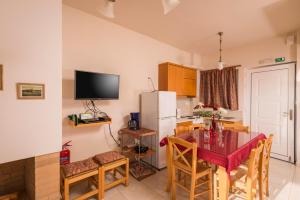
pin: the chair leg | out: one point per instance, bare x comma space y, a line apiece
249, 192
127, 172
261, 188
115, 173
267, 186
193, 185
169, 171
254, 189
66, 190
210, 192
173, 184
179, 176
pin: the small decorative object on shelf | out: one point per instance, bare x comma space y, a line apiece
134, 145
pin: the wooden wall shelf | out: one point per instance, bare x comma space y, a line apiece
72, 123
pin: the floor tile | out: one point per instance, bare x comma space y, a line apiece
284, 185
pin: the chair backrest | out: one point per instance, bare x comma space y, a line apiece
266, 155
183, 154
182, 129
236, 127
254, 161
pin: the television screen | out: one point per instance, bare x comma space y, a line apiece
89, 85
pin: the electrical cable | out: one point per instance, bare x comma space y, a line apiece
90, 105
113, 136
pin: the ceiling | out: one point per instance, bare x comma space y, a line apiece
194, 24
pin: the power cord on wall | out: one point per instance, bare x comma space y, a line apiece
113, 136
91, 106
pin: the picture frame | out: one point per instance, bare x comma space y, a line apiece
30, 91
1, 77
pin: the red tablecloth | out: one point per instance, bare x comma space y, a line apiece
227, 149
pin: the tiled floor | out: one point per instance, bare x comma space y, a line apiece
284, 185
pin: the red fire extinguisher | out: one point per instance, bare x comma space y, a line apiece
65, 154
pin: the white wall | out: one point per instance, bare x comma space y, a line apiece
253, 55
94, 44
30, 52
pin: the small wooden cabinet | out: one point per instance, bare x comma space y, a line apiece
177, 78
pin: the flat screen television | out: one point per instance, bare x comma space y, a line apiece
93, 86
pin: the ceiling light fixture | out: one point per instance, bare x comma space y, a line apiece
220, 63
169, 5
108, 8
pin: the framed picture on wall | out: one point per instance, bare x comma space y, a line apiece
1, 77
30, 91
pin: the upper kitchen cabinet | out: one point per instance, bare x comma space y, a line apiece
177, 78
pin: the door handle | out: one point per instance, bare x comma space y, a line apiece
289, 114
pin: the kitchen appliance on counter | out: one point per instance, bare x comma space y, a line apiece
158, 112
134, 122
178, 113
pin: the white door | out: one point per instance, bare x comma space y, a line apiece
272, 107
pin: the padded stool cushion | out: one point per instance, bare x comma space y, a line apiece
79, 167
107, 157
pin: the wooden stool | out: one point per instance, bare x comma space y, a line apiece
76, 172
112, 162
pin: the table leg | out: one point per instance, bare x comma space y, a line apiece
221, 189
169, 171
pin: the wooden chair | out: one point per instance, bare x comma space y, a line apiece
114, 163
182, 129
236, 127
243, 183
76, 172
264, 168
183, 156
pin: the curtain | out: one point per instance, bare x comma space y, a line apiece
220, 88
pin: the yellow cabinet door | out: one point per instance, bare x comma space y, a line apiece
189, 86
190, 73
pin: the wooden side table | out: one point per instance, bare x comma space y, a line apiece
139, 169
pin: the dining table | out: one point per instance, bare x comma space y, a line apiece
226, 150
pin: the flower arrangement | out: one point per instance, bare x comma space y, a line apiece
212, 111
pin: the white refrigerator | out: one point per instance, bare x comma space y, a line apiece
158, 112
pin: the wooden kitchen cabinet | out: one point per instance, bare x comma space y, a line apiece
189, 87
190, 73
177, 78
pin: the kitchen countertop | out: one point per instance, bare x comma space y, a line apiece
196, 120
183, 119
